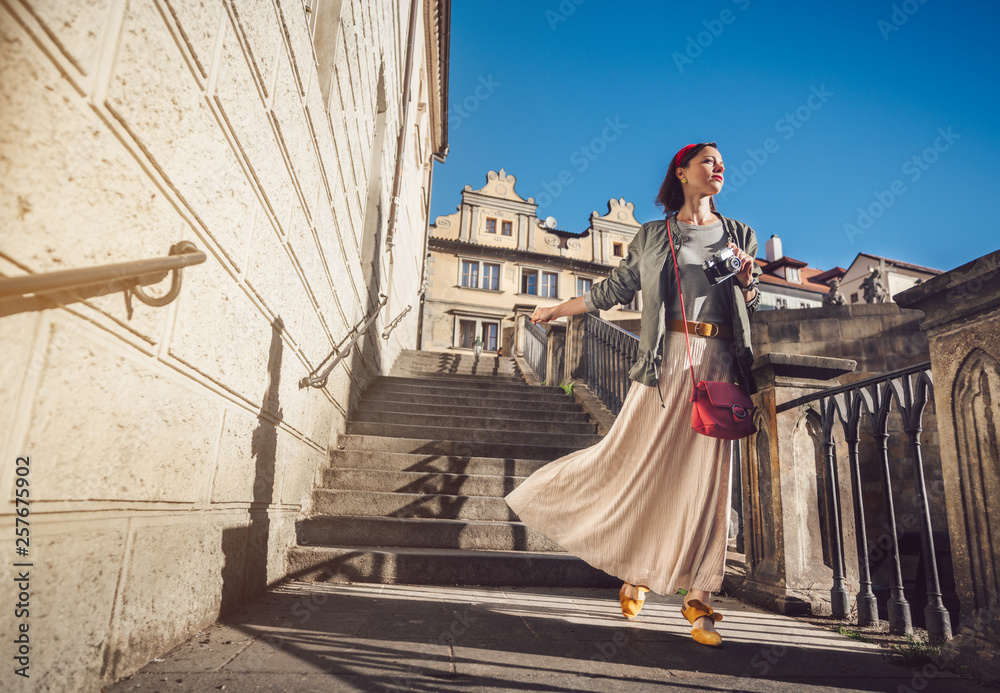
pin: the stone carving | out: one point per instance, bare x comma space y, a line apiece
573, 244
551, 240
619, 211
500, 184
834, 297
442, 223
976, 412
875, 291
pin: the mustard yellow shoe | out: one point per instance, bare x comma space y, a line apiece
632, 598
694, 610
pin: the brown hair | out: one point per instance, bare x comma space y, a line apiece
671, 195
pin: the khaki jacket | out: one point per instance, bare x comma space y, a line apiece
648, 267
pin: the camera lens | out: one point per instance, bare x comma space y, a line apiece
734, 264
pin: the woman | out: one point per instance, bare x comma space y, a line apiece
649, 504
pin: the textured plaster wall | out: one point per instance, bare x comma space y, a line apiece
171, 454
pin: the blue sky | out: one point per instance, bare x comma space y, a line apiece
845, 127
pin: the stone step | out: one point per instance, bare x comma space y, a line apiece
451, 385
346, 479
422, 533
412, 566
448, 360
377, 504
472, 435
430, 448
434, 464
495, 422
408, 372
537, 413
525, 402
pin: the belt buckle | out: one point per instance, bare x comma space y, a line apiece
706, 329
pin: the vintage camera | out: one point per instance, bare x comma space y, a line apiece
721, 266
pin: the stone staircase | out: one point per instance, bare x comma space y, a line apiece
414, 491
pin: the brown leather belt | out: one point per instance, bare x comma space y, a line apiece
702, 329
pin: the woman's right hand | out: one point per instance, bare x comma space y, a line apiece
543, 314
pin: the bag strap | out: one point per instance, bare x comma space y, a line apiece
677, 276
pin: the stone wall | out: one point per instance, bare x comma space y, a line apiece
961, 311
171, 453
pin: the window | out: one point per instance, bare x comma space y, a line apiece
780, 302
506, 228
550, 283
491, 277
546, 285
793, 274
470, 274
854, 298
472, 270
490, 333
583, 285
803, 304
618, 250
467, 333
491, 226
486, 330
529, 282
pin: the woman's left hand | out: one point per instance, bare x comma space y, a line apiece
745, 274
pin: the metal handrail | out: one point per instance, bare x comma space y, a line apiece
340, 351
183, 254
857, 384
609, 354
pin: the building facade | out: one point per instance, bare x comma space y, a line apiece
172, 449
787, 283
493, 256
893, 276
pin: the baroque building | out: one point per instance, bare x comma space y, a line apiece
494, 256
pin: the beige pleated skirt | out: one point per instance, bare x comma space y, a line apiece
649, 504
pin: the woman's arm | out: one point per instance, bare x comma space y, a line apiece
573, 306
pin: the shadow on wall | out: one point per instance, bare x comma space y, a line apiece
244, 573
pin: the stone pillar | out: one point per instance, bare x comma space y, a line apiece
521, 314
574, 353
962, 321
554, 360
789, 569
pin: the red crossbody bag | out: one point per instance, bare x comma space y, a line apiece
721, 410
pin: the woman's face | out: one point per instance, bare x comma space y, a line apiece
704, 172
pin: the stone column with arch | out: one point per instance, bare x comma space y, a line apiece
786, 514
962, 322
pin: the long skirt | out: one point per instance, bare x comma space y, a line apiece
648, 504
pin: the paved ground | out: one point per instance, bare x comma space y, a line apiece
319, 637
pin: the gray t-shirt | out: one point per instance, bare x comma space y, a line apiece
702, 301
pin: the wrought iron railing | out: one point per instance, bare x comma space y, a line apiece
908, 390
536, 349
609, 353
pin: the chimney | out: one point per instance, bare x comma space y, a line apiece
773, 248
